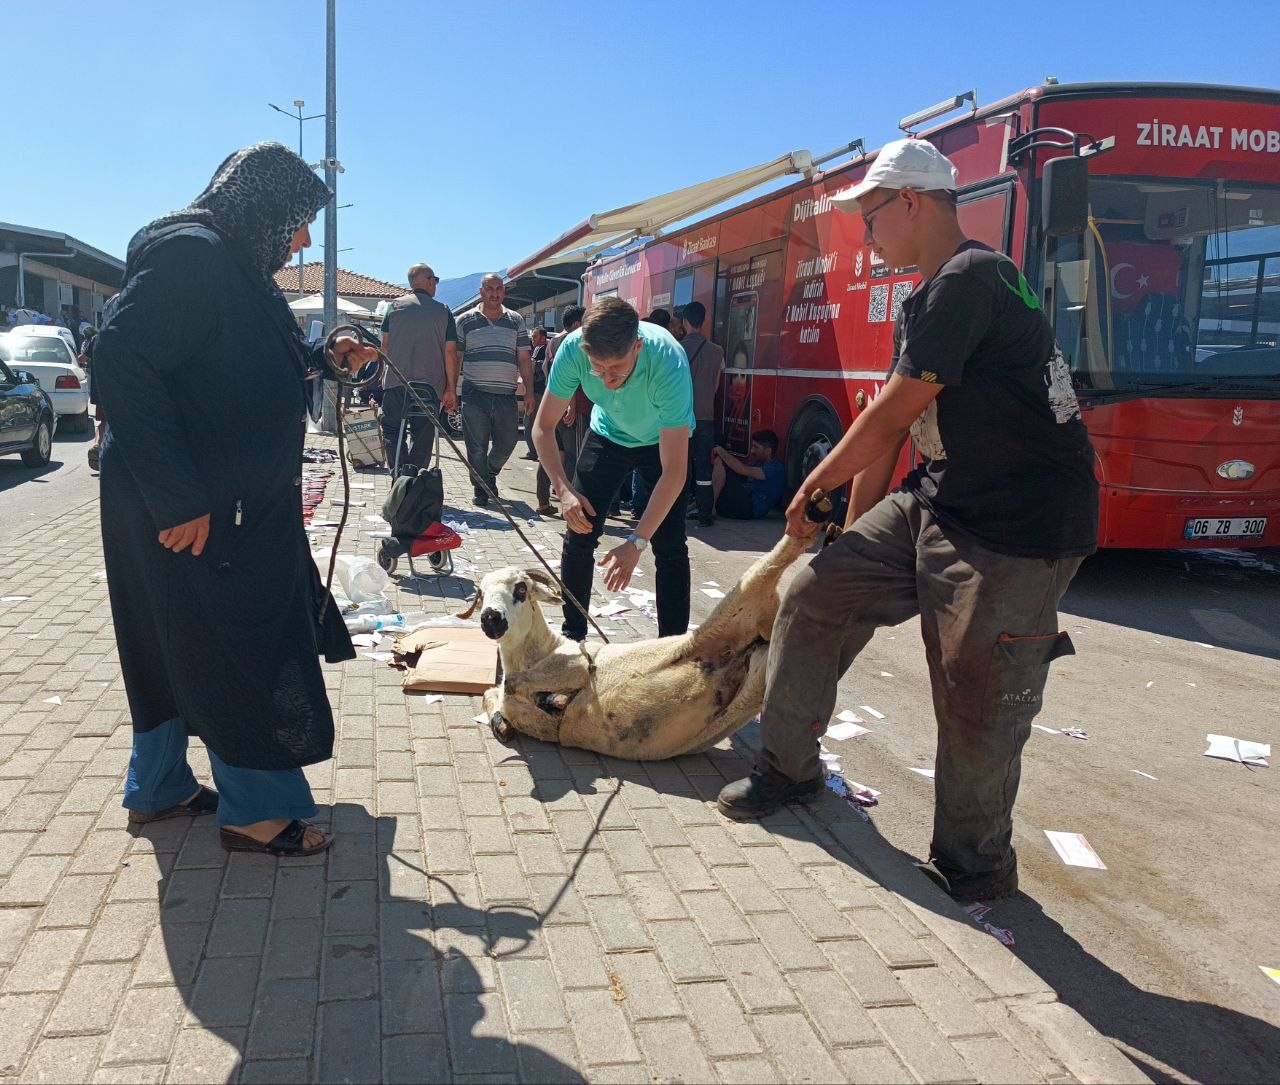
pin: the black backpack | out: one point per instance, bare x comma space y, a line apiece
416, 500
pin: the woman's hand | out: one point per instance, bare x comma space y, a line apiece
194, 533
350, 354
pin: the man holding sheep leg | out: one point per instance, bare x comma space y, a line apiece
637, 377
981, 541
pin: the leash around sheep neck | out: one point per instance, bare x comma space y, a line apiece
364, 376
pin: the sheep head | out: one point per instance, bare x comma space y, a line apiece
508, 603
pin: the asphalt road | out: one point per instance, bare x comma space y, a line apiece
31, 496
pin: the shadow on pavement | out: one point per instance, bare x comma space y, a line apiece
1227, 598
352, 966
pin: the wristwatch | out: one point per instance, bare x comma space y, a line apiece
640, 544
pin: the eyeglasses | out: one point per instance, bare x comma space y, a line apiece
867, 216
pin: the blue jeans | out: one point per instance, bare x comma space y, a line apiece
159, 777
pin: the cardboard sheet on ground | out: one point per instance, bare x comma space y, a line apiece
1074, 850
447, 660
1241, 750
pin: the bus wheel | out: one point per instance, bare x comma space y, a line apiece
812, 440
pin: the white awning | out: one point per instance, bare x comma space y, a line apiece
314, 303
649, 217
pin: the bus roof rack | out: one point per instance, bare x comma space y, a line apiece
943, 107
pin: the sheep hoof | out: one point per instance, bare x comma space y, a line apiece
553, 702
502, 730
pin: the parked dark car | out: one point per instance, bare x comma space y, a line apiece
27, 419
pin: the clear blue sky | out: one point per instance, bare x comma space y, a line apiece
473, 133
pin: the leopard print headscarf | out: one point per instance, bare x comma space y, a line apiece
257, 199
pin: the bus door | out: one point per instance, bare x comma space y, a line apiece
749, 292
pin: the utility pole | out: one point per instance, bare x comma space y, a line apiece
298, 103
331, 172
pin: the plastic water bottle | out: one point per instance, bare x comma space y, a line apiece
368, 623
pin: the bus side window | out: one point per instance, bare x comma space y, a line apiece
984, 218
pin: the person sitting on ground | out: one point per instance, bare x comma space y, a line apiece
748, 489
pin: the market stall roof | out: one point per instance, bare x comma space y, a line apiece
314, 303
648, 217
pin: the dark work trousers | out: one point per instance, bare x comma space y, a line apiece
566, 443
990, 628
700, 445
528, 424
489, 429
602, 467
420, 434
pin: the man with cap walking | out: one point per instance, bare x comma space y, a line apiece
980, 541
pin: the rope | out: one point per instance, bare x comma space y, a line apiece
360, 380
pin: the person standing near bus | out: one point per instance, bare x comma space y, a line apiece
981, 540
638, 378
706, 366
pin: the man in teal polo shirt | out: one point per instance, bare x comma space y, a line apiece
637, 377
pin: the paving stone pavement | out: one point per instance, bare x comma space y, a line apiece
487, 914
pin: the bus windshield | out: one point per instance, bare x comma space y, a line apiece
1175, 287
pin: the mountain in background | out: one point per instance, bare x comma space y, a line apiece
455, 291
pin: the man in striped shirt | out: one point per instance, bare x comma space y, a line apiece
495, 349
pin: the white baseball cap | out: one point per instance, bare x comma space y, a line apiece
905, 163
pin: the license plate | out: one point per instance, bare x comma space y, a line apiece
1214, 527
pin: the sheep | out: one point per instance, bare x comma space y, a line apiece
643, 701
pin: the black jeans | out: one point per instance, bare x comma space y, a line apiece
700, 445
396, 405
489, 428
602, 467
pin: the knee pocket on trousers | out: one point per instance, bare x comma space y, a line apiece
1017, 673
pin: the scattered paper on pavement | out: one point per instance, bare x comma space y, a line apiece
482, 717
380, 657
362, 485
712, 593
845, 730
609, 610
885, 674
53, 700
1245, 752
1270, 973
1145, 774
1047, 730
433, 698
871, 711
1074, 850
14, 599
710, 584
926, 773
1074, 732
848, 716
364, 640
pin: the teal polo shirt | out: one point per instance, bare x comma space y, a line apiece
658, 395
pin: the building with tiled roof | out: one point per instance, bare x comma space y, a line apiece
361, 289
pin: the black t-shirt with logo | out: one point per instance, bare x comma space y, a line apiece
1007, 458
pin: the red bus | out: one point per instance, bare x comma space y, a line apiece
1165, 295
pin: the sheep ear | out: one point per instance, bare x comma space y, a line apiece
544, 587
471, 608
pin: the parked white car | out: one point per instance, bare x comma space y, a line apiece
48, 329
52, 362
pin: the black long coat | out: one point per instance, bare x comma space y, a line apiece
199, 371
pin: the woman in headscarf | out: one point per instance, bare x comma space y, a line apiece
219, 611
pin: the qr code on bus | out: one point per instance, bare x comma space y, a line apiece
901, 291
878, 306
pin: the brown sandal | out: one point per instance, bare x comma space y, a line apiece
205, 801
289, 842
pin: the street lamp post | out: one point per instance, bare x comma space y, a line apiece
298, 103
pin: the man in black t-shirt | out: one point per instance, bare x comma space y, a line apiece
981, 540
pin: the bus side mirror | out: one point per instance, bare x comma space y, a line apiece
1064, 197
